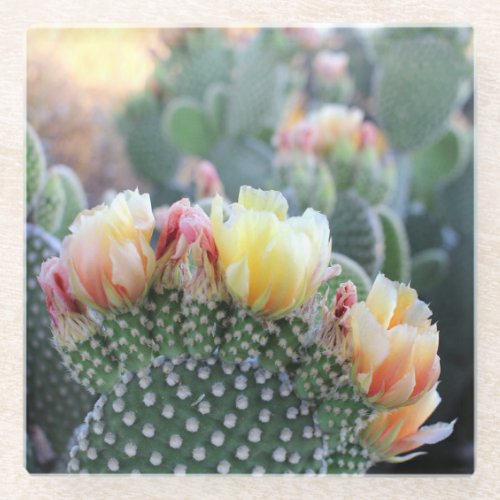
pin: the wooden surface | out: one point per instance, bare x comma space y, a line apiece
17, 16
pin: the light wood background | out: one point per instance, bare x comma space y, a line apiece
17, 15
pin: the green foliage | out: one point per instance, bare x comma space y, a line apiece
242, 162
357, 232
200, 60
439, 163
188, 127
396, 264
429, 268
257, 91
61, 200
54, 401
417, 89
36, 166
152, 155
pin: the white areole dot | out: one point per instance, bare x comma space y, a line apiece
148, 430
192, 424
267, 394
204, 407
240, 383
183, 392
242, 402
199, 453
279, 454
109, 438
129, 418
254, 435
92, 453
175, 441
294, 458
230, 420
149, 399
217, 438
130, 449
168, 411
258, 470
180, 470
223, 467
156, 458
286, 434
218, 389
113, 464
264, 415
242, 452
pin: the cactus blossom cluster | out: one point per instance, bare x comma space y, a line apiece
246, 287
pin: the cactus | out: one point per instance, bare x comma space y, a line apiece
55, 402
429, 268
242, 161
351, 271
36, 166
439, 163
357, 232
61, 199
201, 60
256, 94
396, 264
152, 155
417, 89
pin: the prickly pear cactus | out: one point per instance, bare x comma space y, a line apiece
61, 199
397, 262
35, 166
152, 155
357, 232
417, 89
54, 401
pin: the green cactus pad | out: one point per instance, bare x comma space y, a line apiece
438, 164
242, 162
49, 211
244, 335
375, 181
36, 166
396, 264
202, 60
318, 374
428, 268
284, 341
351, 271
60, 201
417, 89
341, 163
152, 155
256, 93
357, 232
168, 319
188, 126
215, 104
203, 330
54, 401
129, 339
200, 417
91, 364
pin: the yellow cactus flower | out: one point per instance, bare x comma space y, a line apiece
394, 345
108, 256
272, 264
399, 431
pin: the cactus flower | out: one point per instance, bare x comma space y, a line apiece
399, 431
394, 345
207, 179
186, 228
272, 264
67, 320
108, 255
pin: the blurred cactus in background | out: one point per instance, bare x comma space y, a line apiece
371, 127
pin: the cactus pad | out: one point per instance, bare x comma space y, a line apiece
200, 417
54, 401
417, 90
396, 264
428, 268
35, 166
357, 232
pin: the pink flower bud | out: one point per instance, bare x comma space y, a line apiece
345, 298
369, 134
208, 182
